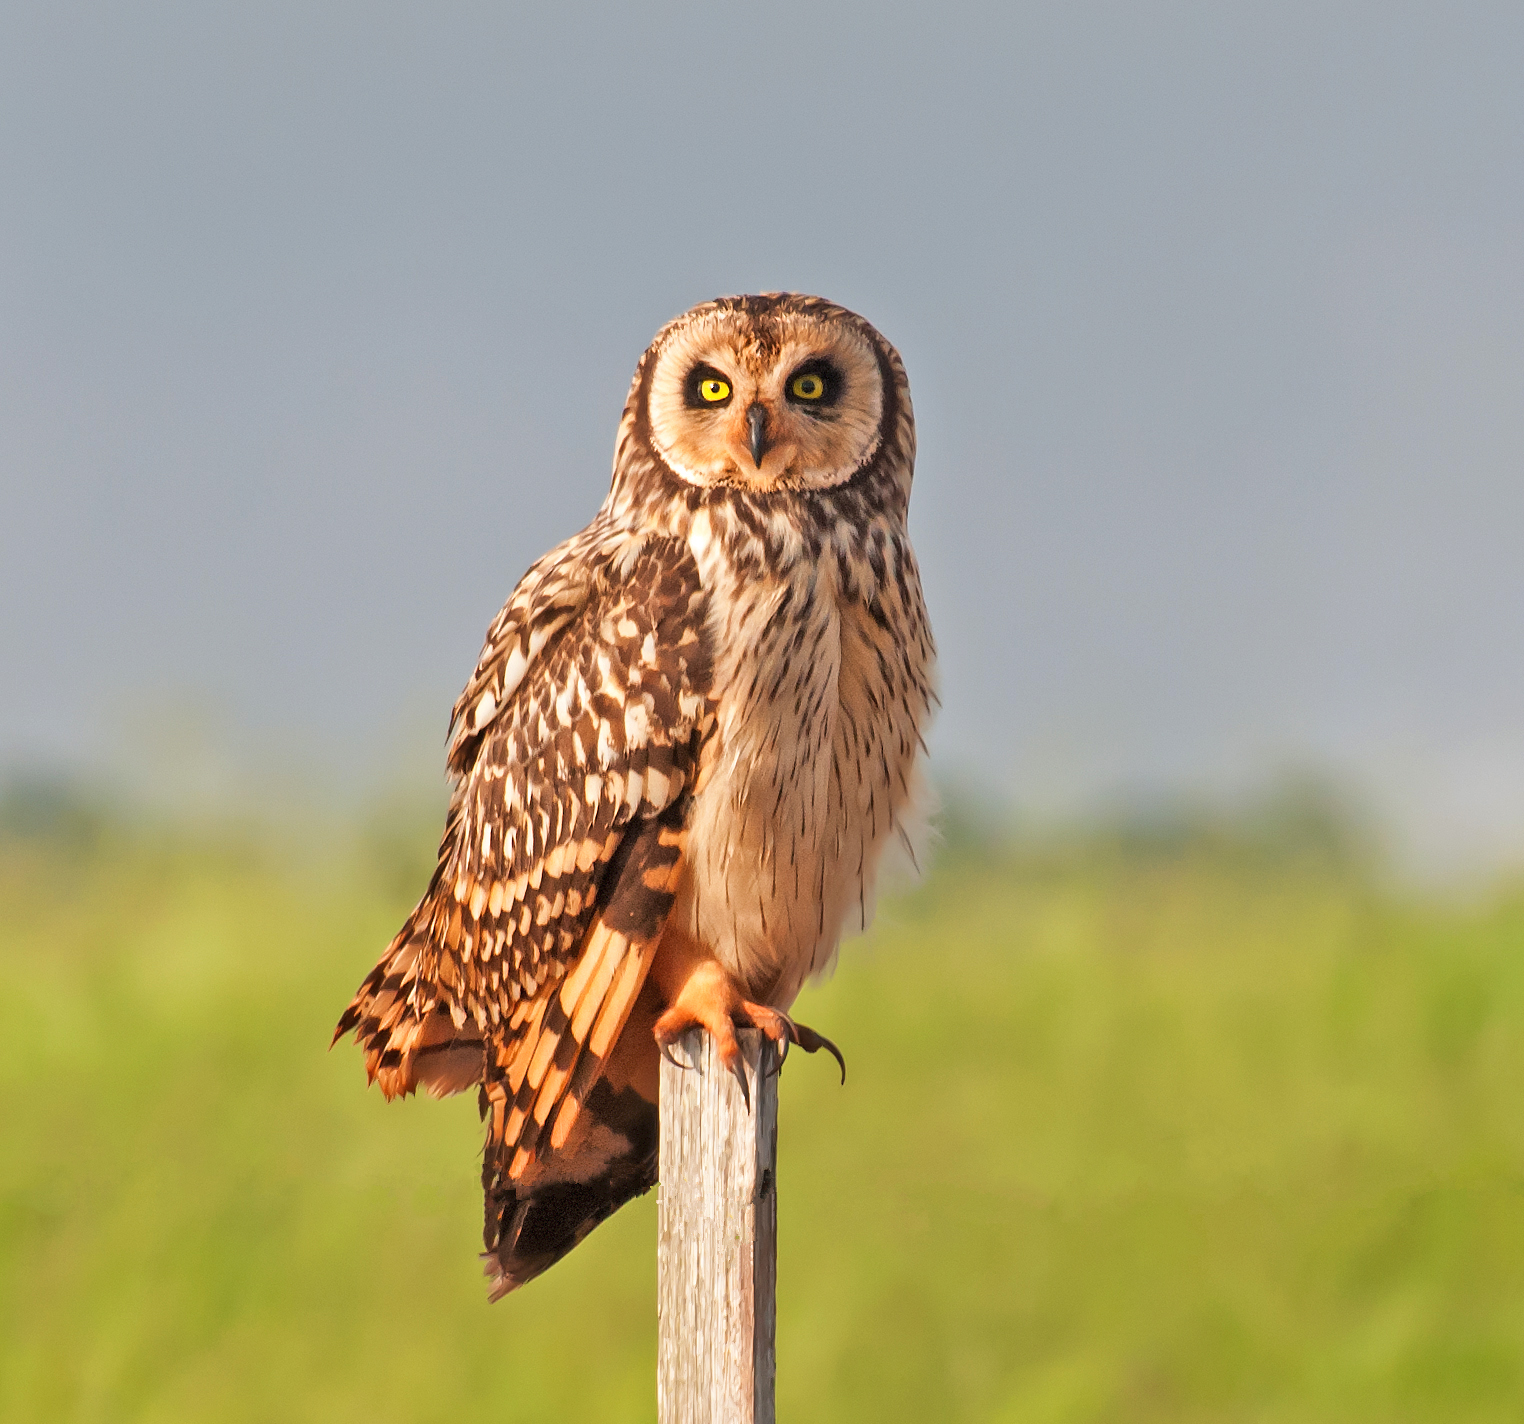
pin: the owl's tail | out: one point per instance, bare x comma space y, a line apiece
536, 1211
540, 1201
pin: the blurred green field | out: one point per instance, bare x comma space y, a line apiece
1177, 1135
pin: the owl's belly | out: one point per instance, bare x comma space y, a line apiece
811, 775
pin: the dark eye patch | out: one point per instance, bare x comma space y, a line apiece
823, 371
700, 376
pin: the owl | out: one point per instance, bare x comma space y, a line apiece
694, 738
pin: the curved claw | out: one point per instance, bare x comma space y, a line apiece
812, 1042
666, 1052
664, 1047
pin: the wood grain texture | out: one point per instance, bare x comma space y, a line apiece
718, 1236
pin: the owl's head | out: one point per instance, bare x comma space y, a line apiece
774, 392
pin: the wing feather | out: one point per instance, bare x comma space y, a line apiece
551, 1072
574, 748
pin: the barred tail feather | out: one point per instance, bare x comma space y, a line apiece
607, 1156
571, 1103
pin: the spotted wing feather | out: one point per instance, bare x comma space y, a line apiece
580, 726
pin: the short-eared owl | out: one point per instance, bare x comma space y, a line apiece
694, 732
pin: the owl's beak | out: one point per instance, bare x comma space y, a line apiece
756, 418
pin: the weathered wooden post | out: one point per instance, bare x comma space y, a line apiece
716, 1255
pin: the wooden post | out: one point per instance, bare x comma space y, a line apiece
716, 1255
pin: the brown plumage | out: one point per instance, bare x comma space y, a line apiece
694, 731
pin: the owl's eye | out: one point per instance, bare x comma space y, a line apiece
707, 387
814, 384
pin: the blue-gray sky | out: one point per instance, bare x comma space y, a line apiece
316, 320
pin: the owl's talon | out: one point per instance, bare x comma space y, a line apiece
784, 1033
739, 1069
666, 1052
709, 999
812, 1042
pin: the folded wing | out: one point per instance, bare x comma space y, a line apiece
574, 748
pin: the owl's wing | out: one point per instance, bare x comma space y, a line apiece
574, 745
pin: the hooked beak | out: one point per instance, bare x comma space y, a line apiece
756, 418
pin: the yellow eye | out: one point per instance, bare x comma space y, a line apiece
808, 387
713, 390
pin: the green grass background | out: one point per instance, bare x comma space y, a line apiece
1181, 1133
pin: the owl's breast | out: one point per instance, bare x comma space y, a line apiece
822, 688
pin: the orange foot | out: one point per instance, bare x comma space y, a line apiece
709, 999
